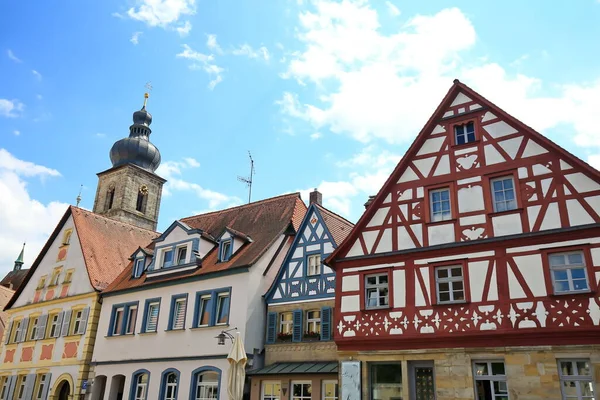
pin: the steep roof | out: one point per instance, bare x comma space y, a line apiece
106, 245
338, 226
14, 278
456, 89
5, 295
263, 221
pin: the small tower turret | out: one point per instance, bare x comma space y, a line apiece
19, 260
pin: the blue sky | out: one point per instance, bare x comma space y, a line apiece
324, 93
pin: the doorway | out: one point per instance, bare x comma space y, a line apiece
64, 391
422, 380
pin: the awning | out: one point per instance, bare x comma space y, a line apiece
286, 368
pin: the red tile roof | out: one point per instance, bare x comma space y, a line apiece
339, 226
14, 279
264, 221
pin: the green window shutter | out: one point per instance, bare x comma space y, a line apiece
271, 327
297, 331
326, 317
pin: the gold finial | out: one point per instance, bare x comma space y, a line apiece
146, 95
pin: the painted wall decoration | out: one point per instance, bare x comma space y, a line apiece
351, 382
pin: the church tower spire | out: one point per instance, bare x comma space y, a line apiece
19, 260
130, 191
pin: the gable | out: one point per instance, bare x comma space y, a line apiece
292, 282
553, 188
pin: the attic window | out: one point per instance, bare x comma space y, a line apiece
225, 250
67, 237
181, 255
167, 259
464, 133
138, 268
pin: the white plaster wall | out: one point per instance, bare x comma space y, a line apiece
80, 280
470, 199
508, 224
177, 235
439, 234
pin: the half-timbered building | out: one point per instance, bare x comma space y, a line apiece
300, 355
474, 271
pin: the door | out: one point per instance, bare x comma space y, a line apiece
422, 384
65, 389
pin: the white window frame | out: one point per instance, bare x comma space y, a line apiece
568, 268
378, 285
179, 250
77, 319
4, 389
464, 134
301, 397
171, 385
324, 393
273, 396
149, 316
440, 216
40, 387
176, 308
450, 280
212, 384
220, 298
116, 328
577, 379
289, 324
314, 264
514, 190
164, 257
204, 307
20, 394
225, 249
140, 384
54, 326
139, 267
131, 317
314, 323
34, 328
490, 377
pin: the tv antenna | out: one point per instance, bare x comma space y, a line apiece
248, 181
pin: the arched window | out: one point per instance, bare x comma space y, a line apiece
110, 196
205, 384
169, 384
142, 198
139, 385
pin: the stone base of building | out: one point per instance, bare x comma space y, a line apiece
530, 373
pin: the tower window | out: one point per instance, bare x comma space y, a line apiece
110, 196
142, 198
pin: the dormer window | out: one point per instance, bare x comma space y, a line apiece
181, 255
225, 250
167, 259
464, 133
138, 269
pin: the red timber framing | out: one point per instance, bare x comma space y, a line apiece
508, 288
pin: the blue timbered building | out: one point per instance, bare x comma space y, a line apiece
300, 359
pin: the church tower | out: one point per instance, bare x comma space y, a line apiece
130, 191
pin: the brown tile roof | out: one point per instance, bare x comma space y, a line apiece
263, 221
14, 278
5, 295
339, 226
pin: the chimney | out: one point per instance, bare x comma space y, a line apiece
368, 203
316, 197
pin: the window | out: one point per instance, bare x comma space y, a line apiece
503, 194
16, 331
68, 277
330, 390
204, 316
67, 237
439, 200
450, 284
77, 321
376, 287
568, 272
271, 390
207, 386
110, 196
301, 391
576, 379
40, 285
140, 204
152, 310
170, 386
181, 255
22, 386
55, 276
386, 381
118, 321
138, 269
141, 386
222, 308
42, 382
313, 321
54, 326
34, 329
178, 309
490, 380
5, 383
130, 322
464, 133
167, 259
225, 253
286, 323
314, 264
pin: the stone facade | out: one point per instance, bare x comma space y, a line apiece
127, 181
531, 372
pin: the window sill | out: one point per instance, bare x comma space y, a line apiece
463, 145
513, 211
446, 221
451, 303
582, 293
209, 326
148, 333
175, 330
118, 336
376, 308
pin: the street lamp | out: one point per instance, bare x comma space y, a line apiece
221, 337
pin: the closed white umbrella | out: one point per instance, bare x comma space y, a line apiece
237, 369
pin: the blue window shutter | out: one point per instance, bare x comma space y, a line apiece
326, 323
271, 327
297, 334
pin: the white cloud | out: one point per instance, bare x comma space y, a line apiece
16, 132
248, 51
135, 38
172, 171
39, 96
36, 74
316, 135
211, 43
118, 15
12, 56
21, 217
392, 9
162, 13
100, 135
11, 108
184, 29
203, 62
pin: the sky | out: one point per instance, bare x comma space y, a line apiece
324, 94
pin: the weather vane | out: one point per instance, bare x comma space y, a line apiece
148, 87
248, 181
78, 199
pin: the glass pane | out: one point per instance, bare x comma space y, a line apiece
444, 296
557, 260
297, 389
442, 273
435, 196
570, 388
508, 183
386, 381
458, 285
560, 275
460, 139
500, 387
497, 186
371, 280
587, 389
501, 206
456, 271
424, 387
580, 284
444, 287
383, 279
459, 295
445, 195
575, 258
583, 368
511, 205
498, 368
498, 196
223, 309
268, 389
481, 369
578, 273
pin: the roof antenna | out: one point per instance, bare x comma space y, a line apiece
79, 196
248, 181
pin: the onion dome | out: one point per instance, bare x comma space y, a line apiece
137, 148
